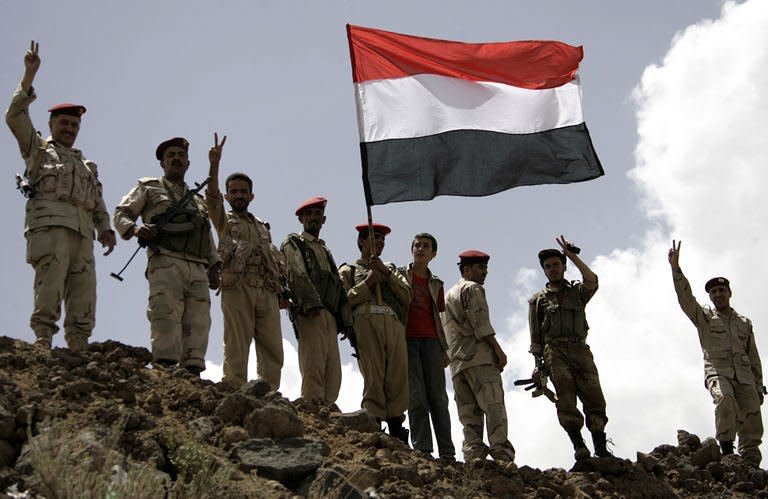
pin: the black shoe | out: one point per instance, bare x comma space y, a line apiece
579, 447
726, 447
598, 437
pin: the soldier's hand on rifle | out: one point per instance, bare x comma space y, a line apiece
108, 240
31, 65
146, 232
674, 255
214, 276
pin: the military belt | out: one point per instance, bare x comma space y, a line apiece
369, 308
566, 339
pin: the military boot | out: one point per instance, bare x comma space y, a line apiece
396, 429
580, 448
598, 437
726, 447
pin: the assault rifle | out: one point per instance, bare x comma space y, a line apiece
538, 381
163, 219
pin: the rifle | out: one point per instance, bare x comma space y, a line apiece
538, 381
287, 294
164, 219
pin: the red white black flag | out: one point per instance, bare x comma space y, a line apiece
442, 117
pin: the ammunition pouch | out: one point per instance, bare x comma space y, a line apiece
186, 232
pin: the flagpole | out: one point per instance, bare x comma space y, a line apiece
372, 241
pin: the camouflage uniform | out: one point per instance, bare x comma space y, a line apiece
250, 282
179, 300
477, 384
59, 228
558, 321
732, 368
314, 279
383, 356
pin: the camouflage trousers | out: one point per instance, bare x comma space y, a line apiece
179, 310
251, 314
479, 395
737, 411
64, 271
383, 362
574, 374
319, 359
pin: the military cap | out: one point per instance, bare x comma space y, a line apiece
549, 253
68, 109
174, 142
473, 256
380, 228
717, 281
318, 201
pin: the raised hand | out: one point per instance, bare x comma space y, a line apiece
674, 255
214, 154
31, 65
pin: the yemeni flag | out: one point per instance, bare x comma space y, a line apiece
441, 117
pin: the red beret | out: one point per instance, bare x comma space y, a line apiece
380, 228
68, 109
717, 281
318, 201
473, 256
174, 142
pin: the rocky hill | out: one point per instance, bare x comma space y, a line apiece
104, 424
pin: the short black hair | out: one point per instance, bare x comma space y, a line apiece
425, 235
239, 176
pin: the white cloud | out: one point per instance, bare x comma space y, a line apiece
700, 163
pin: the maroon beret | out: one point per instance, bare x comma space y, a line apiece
318, 201
717, 281
68, 109
380, 228
473, 256
174, 142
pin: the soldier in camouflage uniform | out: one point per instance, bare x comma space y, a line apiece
558, 326
380, 328
65, 206
476, 361
250, 279
182, 260
732, 368
321, 310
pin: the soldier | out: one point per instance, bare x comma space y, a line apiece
181, 259
427, 352
732, 368
558, 327
65, 206
476, 362
321, 310
250, 278
380, 328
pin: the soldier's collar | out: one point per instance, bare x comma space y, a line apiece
73, 150
310, 237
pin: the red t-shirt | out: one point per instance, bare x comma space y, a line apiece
421, 321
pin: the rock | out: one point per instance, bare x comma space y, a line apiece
405, 473
233, 408
647, 462
256, 388
361, 420
507, 488
203, 428
286, 460
687, 442
273, 421
708, 451
7, 454
331, 483
7, 423
233, 434
546, 493
365, 477
743, 487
